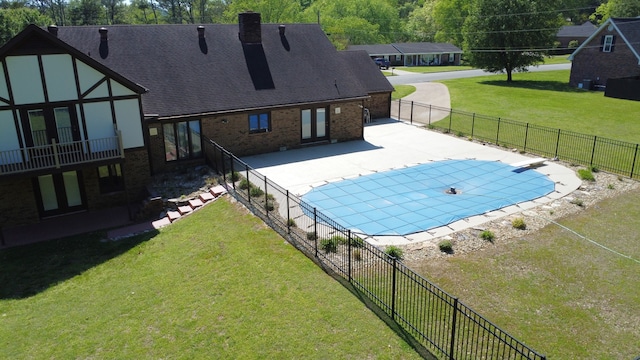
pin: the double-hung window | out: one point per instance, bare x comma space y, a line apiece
607, 43
259, 123
182, 140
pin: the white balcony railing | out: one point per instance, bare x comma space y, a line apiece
56, 155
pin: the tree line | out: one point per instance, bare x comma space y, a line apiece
495, 34
347, 22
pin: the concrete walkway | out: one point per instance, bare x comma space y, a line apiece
391, 144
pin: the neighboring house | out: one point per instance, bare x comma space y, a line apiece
569, 33
611, 52
414, 54
159, 92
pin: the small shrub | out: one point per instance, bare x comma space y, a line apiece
459, 134
610, 187
431, 126
357, 255
586, 174
244, 184
339, 239
594, 169
311, 235
357, 242
292, 223
446, 246
329, 245
269, 205
394, 252
518, 223
256, 191
470, 138
235, 176
551, 212
487, 235
573, 44
577, 202
270, 197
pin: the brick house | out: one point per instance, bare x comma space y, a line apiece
569, 33
107, 107
414, 54
70, 130
611, 52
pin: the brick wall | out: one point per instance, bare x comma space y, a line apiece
232, 132
17, 202
591, 63
379, 105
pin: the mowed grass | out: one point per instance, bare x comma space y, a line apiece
545, 98
400, 91
216, 285
558, 293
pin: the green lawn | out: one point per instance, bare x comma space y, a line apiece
545, 98
218, 284
401, 91
558, 293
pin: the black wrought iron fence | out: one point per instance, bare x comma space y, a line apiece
614, 156
436, 319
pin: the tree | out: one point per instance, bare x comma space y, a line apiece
271, 11
86, 12
520, 35
12, 21
450, 16
420, 26
616, 8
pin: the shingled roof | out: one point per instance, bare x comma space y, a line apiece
579, 31
407, 48
627, 28
191, 70
370, 76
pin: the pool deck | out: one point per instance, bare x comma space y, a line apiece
391, 144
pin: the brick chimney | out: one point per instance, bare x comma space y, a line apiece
250, 31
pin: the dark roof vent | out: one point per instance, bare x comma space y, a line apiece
201, 32
281, 28
103, 33
53, 30
250, 31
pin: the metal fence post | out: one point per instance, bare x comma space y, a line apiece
399, 107
593, 150
557, 143
232, 172
288, 215
498, 133
411, 114
393, 290
315, 229
248, 184
450, 118
266, 197
349, 261
633, 164
224, 171
453, 328
430, 114
526, 135
473, 123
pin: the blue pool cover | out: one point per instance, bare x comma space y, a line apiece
417, 198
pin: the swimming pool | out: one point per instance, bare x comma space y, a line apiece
418, 198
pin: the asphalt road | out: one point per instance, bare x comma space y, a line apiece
405, 77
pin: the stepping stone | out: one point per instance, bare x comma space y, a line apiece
184, 209
195, 203
218, 190
161, 223
173, 215
204, 197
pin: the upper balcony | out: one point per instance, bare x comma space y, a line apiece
63, 154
